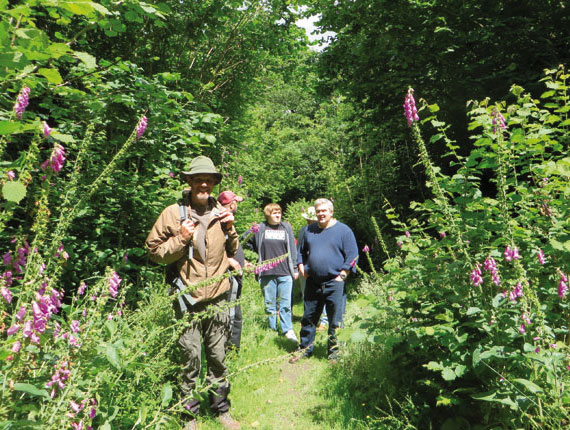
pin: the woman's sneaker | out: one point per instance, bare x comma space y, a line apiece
291, 336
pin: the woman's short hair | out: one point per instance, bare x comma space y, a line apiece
325, 202
270, 208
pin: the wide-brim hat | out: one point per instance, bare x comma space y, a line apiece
311, 214
202, 165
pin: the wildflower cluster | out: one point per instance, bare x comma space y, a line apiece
512, 253
268, 266
59, 378
56, 160
477, 275
541, 258
498, 120
22, 102
13, 265
141, 127
516, 293
490, 266
410, 110
46, 129
114, 282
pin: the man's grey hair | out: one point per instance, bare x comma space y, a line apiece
325, 202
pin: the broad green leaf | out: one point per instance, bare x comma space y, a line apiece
531, 386
9, 127
166, 395
113, 356
89, 60
473, 310
4, 353
66, 138
429, 331
448, 374
32, 389
52, 75
14, 191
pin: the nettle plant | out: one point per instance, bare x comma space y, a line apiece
481, 275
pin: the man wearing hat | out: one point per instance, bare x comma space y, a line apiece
229, 200
193, 236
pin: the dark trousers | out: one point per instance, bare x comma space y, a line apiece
318, 296
214, 332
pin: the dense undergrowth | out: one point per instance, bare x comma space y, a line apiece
468, 320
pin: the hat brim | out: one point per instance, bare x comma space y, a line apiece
218, 176
309, 217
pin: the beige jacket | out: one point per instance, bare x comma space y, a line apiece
167, 246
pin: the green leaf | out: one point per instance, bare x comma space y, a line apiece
487, 396
473, 310
14, 191
166, 394
66, 138
113, 356
531, 386
89, 60
448, 374
32, 389
52, 75
9, 127
430, 331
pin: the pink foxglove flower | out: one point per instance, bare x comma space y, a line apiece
240, 180
541, 258
562, 289
74, 327
141, 126
476, 277
46, 129
16, 347
399, 243
366, 249
11, 175
21, 313
512, 253
22, 102
490, 266
498, 120
56, 160
407, 233
254, 228
516, 293
7, 294
410, 110
522, 329
13, 329
82, 288
114, 282
442, 234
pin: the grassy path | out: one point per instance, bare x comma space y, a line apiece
267, 392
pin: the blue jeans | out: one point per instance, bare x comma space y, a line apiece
327, 295
277, 290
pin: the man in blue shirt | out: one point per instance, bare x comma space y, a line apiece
327, 254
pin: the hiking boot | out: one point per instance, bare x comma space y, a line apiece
228, 422
291, 336
191, 425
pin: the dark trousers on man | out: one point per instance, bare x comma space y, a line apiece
214, 332
318, 296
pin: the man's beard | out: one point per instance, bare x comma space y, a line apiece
201, 198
